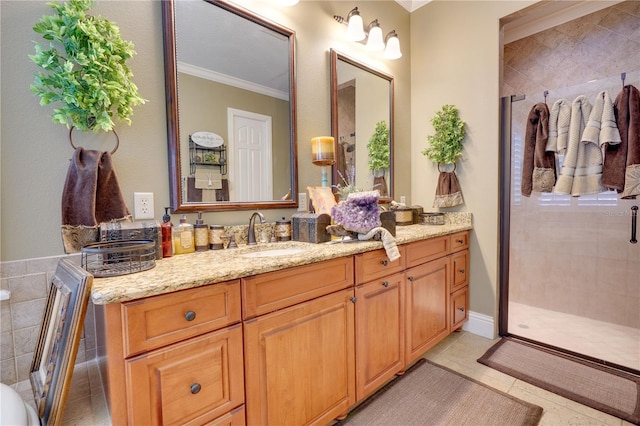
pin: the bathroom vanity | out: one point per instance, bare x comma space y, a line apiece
298, 337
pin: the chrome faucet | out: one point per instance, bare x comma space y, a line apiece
251, 238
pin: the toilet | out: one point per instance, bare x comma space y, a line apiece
14, 411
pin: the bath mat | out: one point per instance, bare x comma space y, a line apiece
606, 389
430, 394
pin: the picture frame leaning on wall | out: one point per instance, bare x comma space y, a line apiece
55, 353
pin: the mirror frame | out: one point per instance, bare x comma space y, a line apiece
335, 57
179, 205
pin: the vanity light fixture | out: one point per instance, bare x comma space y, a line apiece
372, 36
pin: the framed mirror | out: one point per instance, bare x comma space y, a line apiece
362, 125
231, 108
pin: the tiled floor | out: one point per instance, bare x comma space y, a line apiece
606, 341
86, 406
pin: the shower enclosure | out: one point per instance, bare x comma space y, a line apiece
569, 268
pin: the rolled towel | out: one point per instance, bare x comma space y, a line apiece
388, 242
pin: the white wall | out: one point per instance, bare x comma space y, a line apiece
455, 59
35, 152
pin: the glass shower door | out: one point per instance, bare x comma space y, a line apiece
570, 272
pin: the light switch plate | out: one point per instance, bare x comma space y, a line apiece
302, 201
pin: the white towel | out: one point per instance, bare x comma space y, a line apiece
388, 241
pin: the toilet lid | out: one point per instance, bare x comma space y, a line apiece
14, 411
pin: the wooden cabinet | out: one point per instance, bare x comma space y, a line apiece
188, 383
296, 346
379, 332
175, 358
299, 362
427, 307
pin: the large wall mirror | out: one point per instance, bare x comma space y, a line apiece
230, 87
361, 102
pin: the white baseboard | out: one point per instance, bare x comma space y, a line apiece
480, 324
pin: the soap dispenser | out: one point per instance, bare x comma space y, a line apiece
167, 234
201, 234
183, 239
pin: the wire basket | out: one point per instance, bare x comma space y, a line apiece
113, 258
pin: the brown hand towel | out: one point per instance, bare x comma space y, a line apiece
628, 119
448, 192
91, 195
538, 164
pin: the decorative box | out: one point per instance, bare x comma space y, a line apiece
310, 227
404, 216
142, 230
417, 211
388, 220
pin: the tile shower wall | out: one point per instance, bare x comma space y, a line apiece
595, 269
21, 315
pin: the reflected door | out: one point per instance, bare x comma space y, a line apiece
250, 156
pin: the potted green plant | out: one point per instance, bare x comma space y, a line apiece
379, 156
445, 146
84, 68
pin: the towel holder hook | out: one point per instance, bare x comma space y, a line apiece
545, 93
623, 77
114, 132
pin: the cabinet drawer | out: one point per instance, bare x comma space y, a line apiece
459, 270
459, 307
279, 289
424, 251
191, 382
376, 264
161, 320
459, 241
234, 418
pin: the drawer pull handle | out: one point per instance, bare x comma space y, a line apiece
385, 283
353, 299
384, 262
195, 388
461, 308
190, 316
461, 271
459, 241
410, 277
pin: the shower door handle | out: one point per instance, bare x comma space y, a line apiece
634, 224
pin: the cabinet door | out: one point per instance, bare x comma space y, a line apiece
459, 270
459, 308
427, 296
379, 332
191, 382
299, 362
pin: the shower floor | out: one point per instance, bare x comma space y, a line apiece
610, 342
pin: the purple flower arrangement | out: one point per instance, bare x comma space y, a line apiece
359, 212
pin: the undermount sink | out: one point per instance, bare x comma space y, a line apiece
275, 252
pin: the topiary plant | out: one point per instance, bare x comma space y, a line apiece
379, 149
445, 146
85, 69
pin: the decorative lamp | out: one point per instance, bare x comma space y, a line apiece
355, 30
375, 42
323, 154
392, 51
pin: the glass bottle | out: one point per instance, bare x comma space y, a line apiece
183, 239
167, 234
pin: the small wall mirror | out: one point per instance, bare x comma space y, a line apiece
230, 88
361, 103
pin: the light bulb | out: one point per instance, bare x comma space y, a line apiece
375, 41
355, 31
392, 51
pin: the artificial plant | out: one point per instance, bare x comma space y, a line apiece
84, 68
445, 146
378, 146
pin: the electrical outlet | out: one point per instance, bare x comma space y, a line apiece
143, 205
302, 201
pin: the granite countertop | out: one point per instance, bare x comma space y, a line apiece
212, 266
